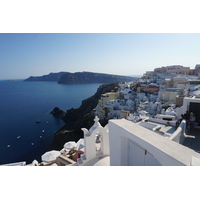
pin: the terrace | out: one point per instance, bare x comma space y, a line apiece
192, 139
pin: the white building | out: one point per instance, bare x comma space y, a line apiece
175, 70
124, 143
116, 105
127, 93
192, 104
169, 94
103, 100
124, 86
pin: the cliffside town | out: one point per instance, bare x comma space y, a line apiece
152, 94
154, 91
144, 115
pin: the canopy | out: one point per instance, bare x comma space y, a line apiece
50, 156
70, 145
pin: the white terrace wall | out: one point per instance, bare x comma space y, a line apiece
179, 135
179, 112
89, 144
165, 151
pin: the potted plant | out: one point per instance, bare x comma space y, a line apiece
168, 123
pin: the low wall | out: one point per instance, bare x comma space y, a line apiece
161, 121
179, 135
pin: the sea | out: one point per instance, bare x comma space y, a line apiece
23, 103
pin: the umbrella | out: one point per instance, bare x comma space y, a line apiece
70, 145
80, 144
35, 163
50, 156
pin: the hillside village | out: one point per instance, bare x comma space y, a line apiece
153, 93
145, 125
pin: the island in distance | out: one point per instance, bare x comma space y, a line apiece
49, 77
81, 77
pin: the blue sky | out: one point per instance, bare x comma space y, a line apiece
26, 54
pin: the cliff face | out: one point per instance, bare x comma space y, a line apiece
82, 117
49, 77
89, 77
73, 116
57, 112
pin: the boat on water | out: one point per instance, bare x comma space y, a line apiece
38, 121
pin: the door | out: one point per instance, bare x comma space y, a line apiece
150, 160
138, 156
195, 107
135, 155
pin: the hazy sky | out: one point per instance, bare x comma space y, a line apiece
25, 54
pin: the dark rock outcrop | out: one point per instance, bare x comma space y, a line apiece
90, 77
82, 117
49, 77
57, 112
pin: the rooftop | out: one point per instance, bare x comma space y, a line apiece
173, 89
165, 130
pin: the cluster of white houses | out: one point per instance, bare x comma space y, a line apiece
154, 91
142, 128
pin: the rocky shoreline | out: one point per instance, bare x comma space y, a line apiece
82, 117
57, 112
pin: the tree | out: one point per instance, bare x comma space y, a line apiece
106, 109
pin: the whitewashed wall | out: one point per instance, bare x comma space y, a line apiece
179, 135
167, 152
186, 102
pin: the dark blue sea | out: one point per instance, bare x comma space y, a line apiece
22, 104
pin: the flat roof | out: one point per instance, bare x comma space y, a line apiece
173, 89
165, 130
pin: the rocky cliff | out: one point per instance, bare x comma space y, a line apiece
90, 77
82, 117
81, 77
50, 77
57, 112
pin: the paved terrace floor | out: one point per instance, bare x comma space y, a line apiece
99, 161
192, 139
